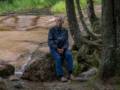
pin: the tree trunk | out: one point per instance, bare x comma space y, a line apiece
111, 39
117, 22
81, 17
91, 12
73, 23
74, 26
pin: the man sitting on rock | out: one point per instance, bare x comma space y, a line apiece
58, 44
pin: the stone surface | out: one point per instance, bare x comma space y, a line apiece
87, 74
39, 69
14, 78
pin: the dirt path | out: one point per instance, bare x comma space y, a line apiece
52, 86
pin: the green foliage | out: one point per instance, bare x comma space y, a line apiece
97, 1
16, 5
57, 6
83, 3
60, 6
19, 5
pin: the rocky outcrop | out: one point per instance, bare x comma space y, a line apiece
40, 68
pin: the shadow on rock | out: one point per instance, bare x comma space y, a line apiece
6, 70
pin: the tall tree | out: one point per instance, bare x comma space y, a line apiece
73, 23
91, 11
74, 26
111, 39
81, 18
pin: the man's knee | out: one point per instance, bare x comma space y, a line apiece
68, 53
55, 55
57, 58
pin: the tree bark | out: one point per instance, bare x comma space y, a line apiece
117, 33
83, 44
81, 17
74, 26
111, 39
73, 23
91, 12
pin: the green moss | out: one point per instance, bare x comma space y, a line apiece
77, 69
77, 66
83, 3
20, 5
97, 1
59, 7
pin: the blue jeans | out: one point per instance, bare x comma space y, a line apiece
58, 61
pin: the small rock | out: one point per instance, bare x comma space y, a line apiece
18, 85
89, 73
82, 79
14, 78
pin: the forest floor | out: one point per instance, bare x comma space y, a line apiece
51, 86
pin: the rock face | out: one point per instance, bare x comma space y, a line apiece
39, 69
6, 70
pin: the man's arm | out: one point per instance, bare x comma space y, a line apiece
51, 42
66, 42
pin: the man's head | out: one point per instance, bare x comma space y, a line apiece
59, 21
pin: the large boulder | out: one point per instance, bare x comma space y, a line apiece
6, 70
40, 68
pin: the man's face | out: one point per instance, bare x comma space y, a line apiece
59, 22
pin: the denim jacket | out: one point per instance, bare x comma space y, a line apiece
58, 37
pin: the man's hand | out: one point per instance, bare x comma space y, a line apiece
60, 50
